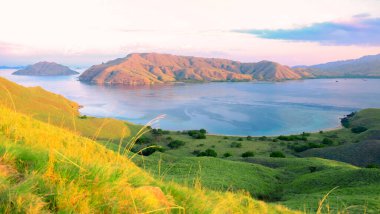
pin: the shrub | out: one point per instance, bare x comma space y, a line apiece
240, 139
152, 149
312, 169
249, 137
263, 138
304, 147
235, 145
277, 154
346, 120
200, 145
144, 140
373, 166
227, 154
358, 129
327, 141
208, 152
225, 137
169, 138
247, 154
197, 134
292, 138
213, 146
175, 144
83, 117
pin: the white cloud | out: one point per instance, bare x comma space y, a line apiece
111, 28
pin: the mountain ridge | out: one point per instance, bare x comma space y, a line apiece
153, 68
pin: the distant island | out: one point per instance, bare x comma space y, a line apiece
366, 66
46, 69
11, 67
155, 68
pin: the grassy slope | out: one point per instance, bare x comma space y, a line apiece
359, 149
48, 169
56, 109
287, 179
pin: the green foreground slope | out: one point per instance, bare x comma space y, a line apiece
48, 169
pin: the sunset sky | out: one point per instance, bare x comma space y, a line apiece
86, 32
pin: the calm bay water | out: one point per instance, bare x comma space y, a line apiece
222, 108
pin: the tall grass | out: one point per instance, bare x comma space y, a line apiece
56, 170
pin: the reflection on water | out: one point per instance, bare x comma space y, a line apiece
224, 108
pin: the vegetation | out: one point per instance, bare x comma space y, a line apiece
358, 129
208, 152
248, 154
175, 144
49, 167
277, 154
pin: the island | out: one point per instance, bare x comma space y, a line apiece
46, 69
155, 68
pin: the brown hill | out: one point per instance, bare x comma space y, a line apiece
46, 69
151, 68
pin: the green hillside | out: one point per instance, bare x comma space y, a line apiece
50, 163
57, 110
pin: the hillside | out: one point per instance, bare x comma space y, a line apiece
152, 68
364, 149
48, 169
57, 110
46, 69
366, 66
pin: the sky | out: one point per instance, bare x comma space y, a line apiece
87, 32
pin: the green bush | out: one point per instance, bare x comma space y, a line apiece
358, 129
373, 166
312, 169
249, 137
263, 138
197, 134
327, 141
208, 152
227, 154
247, 154
240, 139
277, 154
293, 138
152, 149
83, 117
235, 145
175, 144
346, 120
144, 140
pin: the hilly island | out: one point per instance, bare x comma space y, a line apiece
151, 68
45, 69
155, 68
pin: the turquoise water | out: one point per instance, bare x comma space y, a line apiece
247, 108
